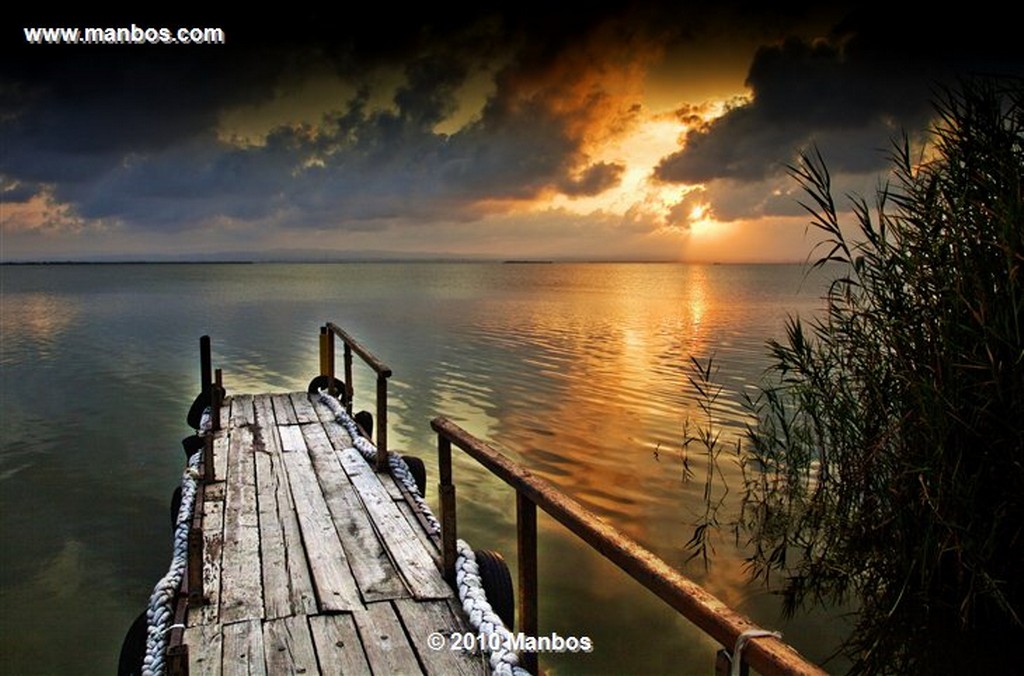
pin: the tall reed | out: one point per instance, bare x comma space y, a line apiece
886, 465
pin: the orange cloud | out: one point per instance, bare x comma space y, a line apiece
595, 86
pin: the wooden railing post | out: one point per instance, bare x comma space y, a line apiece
526, 539
177, 650
383, 373
195, 554
330, 365
767, 655
205, 365
208, 473
177, 660
446, 489
350, 392
382, 422
323, 349
723, 664
216, 400
195, 565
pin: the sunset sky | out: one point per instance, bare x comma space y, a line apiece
638, 132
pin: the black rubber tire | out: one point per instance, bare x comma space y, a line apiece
133, 648
365, 421
192, 444
497, 581
195, 412
175, 507
419, 472
320, 383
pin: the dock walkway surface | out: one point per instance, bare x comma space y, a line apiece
313, 563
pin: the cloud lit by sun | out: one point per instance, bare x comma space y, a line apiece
639, 195
635, 133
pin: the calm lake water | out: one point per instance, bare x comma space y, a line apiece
577, 371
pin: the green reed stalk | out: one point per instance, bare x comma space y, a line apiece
886, 465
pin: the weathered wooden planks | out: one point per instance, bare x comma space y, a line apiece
376, 575
310, 564
204, 652
335, 585
387, 648
421, 619
289, 646
338, 645
413, 561
288, 589
241, 584
304, 411
243, 653
213, 544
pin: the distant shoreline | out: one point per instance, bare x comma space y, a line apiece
134, 262
390, 261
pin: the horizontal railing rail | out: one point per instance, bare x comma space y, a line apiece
767, 654
327, 333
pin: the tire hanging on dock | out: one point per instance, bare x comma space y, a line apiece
418, 471
364, 419
202, 402
497, 583
175, 507
133, 648
321, 383
192, 444
195, 412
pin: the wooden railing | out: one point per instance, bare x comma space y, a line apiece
327, 333
768, 655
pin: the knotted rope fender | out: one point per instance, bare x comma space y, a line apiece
504, 661
160, 611
161, 603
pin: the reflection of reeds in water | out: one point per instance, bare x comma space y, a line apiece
707, 434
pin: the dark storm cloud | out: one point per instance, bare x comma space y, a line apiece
129, 133
849, 94
594, 180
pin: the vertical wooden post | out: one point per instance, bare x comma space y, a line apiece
330, 365
446, 489
382, 423
216, 400
723, 663
349, 390
195, 565
177, 660
177, 651
205, 365
208, 473
526, 540
323, 350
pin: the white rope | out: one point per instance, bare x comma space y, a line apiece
399, 469
741, 643
160, 613
504, 661
206, 420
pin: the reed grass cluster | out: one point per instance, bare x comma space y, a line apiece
886, 464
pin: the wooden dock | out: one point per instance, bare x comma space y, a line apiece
313, 563
302, 558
